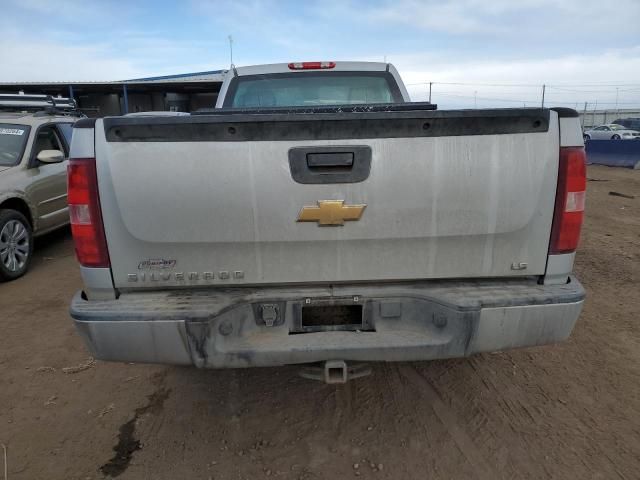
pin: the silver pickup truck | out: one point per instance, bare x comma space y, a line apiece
316, 215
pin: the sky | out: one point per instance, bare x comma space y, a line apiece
477, 53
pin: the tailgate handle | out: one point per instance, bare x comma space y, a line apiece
330, 161
334, 164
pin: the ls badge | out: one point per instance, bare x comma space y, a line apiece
331, 212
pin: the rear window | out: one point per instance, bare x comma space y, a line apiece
13, 139
312, 89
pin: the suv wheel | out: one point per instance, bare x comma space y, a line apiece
615, 137
16, 244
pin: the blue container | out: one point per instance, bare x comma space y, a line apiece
614, 153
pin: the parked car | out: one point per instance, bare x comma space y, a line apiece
35, 136
629, 123
611, 131
317, 215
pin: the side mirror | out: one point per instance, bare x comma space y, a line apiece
50, 156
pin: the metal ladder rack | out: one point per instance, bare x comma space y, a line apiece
39, 104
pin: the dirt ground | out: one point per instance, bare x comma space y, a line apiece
563, 411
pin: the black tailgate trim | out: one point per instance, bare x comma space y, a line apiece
230, 126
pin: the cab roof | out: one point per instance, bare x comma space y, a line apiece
286, 67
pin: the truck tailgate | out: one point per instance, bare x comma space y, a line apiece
212, 200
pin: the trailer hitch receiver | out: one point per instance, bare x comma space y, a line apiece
335, 371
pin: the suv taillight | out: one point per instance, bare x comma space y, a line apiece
570, 196
84, 212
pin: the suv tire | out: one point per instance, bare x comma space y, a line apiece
16, 244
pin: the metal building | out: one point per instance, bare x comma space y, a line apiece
186, 92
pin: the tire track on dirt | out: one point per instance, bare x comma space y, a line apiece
395, 387
500, 419
448, 418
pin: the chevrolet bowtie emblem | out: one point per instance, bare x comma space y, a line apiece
331, 212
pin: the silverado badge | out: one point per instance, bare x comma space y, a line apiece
331, 212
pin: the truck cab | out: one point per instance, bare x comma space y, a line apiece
300, 84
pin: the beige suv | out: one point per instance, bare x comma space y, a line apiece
35, 135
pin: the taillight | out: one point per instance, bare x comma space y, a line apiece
84, 213
570, 196
311, 65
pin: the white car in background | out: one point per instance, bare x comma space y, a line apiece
611, 132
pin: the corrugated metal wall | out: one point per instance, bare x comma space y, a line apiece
599, 117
